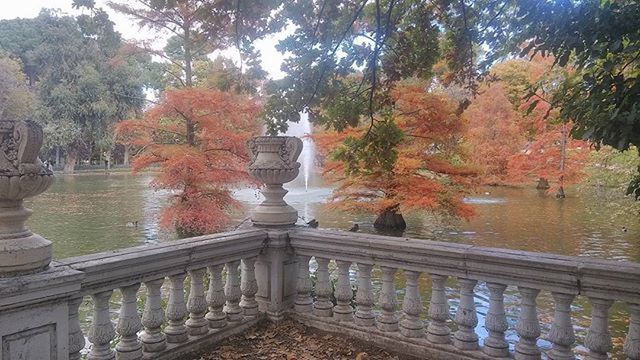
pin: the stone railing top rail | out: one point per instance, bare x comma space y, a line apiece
117, 268
567, 274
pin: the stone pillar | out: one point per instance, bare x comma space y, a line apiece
388, 319
216, 299
22, 175
38, 302
274, 163
303, 302
495, 344
411, 325
197, 304
438, 331
276, 275
466, 317
249, 288
323, 306
364, 315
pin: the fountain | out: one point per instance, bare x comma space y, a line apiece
302, 129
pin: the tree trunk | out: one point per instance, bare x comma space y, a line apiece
125, 161
58, 157
72, 157
560, 193
390, 219
543, 184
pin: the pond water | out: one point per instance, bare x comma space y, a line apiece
90, 213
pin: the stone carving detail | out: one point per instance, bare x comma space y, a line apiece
598, 339
76, 338
22, 175
343, 311
438, 331
364, 297
411, 325
101, 332
561, 333
232, 292
176, 331
216, 299
303, 302
466, 317
632, 342
496, 323
528, 327
129, 347
323, 305
153, 340
249, 288
273, 162
388, 319
197, 304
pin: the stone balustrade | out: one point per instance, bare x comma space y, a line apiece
235, 280
227, 306
404, 328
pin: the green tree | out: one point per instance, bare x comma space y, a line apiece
84, 80
16, 100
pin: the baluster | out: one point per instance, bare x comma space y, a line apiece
528, 327
598, 339
364, 297
632, 342
323, 305
232, 292
129, 347
216, 299
411, 325
101, 332
561, 333
303, 302
153, 340
197, 304
438, 331
176, 332
343, 293
249, 288
388, 320
495, 344
76, 338
466, 317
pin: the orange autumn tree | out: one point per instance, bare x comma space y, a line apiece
494, 133
428, 171
514, 137
201, 174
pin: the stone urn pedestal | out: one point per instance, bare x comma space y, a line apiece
274, 162
22, 175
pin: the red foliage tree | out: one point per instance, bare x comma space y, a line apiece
428, 174
515, 138
494, 134
201, 175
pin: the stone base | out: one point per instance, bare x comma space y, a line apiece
269, 215
24, 255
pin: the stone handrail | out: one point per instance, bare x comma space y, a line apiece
565, 277
228, 306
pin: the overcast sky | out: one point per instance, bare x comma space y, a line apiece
11, 9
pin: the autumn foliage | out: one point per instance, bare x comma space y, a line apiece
517, 139
202, 174
428, 174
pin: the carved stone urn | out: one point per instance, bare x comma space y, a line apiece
274, 162
22, 175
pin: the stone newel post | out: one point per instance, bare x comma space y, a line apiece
22, 175
274, 163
